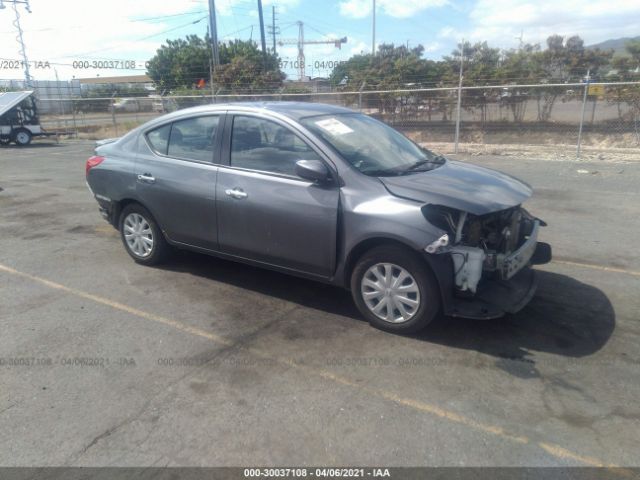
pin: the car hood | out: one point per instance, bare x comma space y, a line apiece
463, 186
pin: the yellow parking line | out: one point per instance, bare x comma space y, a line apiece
120, 306
597, 267
417, 405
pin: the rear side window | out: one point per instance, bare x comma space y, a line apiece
193, 138
259, 144
159, 139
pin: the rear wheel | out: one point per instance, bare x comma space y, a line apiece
394, 289
141, 235
22, 137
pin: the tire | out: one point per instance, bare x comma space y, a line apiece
22, 137
151, 248
410, 305
5, 141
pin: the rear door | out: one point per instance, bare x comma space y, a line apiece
176, 178
265, 211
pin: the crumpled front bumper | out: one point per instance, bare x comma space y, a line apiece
509, 265
498, 295
495, 298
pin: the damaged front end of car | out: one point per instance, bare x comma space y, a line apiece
490, 256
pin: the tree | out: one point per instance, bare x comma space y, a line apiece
183, 63
180, 63
393, 68
518, 67
626, 69
564, 62
480, 65
243, 69
633, 48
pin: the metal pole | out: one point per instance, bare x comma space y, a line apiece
61, 100
273, 27
213, 28
459, 97
113, 113
262, 37
23, 51
584, 105
210, 73
373, 30
73, 112
301, 59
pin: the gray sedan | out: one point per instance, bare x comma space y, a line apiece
328, 194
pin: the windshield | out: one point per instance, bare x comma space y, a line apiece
371, 146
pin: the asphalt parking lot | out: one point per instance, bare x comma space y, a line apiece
207, 362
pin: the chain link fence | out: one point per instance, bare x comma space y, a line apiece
599, 115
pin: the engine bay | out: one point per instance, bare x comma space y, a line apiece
498, 244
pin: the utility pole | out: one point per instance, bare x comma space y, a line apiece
213, 28
213, 90
262, 37
301, 42
301, 59
373, 30
520, 40
28, 80
459, 96
273, 27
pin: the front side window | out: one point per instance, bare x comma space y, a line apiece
193, 138
259, 144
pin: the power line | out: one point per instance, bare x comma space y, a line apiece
162, 17
137, 39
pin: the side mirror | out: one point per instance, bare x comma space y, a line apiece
313, 170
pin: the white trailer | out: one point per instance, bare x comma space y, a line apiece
19, 121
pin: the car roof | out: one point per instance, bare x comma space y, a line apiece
293, 110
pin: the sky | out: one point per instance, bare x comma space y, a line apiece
59, 34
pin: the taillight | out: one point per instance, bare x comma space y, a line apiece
93, 162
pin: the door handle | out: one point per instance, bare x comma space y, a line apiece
146, 178
236, 193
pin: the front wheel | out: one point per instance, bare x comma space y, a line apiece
394, 289
141, 235
22, 137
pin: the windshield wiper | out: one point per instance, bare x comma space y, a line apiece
437, 160
414, 167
